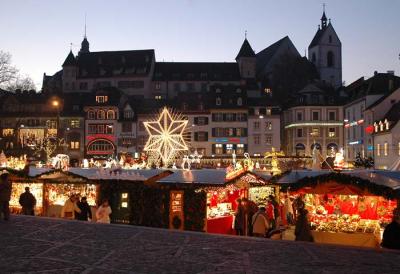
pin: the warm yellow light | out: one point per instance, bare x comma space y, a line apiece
166, 137
55, 103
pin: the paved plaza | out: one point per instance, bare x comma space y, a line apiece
43, 245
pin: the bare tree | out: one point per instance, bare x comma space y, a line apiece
7, 71
10, 78
22, 82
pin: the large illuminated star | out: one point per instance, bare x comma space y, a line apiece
166, 136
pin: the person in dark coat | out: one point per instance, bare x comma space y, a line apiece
5, 195
303, 227
391, 234
239, 218
28, 202
86, 212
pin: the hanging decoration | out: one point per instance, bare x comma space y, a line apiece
274, 160
165, 140
196, 157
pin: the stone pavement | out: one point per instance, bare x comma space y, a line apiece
44, 245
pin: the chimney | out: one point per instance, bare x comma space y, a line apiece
391, 72
375, 72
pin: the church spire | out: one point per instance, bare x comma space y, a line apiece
323, 18
85, 43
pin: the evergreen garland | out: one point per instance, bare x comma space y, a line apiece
344, 179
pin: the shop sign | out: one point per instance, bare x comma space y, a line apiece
356, 142
176, 216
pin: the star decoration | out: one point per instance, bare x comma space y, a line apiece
166, 140
196, 157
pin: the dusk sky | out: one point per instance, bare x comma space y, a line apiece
38, 33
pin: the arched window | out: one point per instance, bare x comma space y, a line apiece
300, 149
101, 146
330, 59
101, 115
110, 115
91, 115
240, 101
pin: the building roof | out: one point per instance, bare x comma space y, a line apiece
246, 50
196, 71
104, 64
392, 116
70, 60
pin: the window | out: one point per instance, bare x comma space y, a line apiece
92, 129
385, 149
230, 117
330, 59
101, 115
218, 101
75, 107
8, 132
91, 115
299, 132
219, 149
74, 145
378, 149
218, 117
256, 125
100, 129
83, 86
101, 99
218, 90
315, 115
332, 115
127, 127
299, 116
128, 114
101, 145
268, 111
229, 148
158, 97
219, 132
158, 86
130, 84
230, 132
202, 136
239, 101
75, 123
315, 132
201, 121
204, 87
268, 125
241, 117
110, 115
240, 149
268, 139
109, 129
331, 132
256, 139
189, 87
240, 132
268, 91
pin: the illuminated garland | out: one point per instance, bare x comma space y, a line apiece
344, 179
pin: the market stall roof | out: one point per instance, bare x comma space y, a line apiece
102, 174
200, 177
380, 177
266, 175
296, 175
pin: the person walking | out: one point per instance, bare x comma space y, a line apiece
5, 195
70, 207
28, 202
260, 223
103, 213
239, 218
391, 234
86, 212
303, 227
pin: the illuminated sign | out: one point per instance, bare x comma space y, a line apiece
230, 140
354, 123
356, 142
370, 148
314, 124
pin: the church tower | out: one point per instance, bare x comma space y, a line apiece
246, 60
325, 52
84, 44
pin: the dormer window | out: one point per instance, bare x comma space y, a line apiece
128, 114
268, 91
101, 99
218, 101
239, 101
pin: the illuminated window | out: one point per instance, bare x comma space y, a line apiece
268, 111
229, 148
218, 149
218, 101
378, 149
268, 125
74, 145
110, 115
385, 149
158, 86
158, 97
315, 132
101, 115
239, 101
75, 123
101, 146
101, 99
331, 132
268, 91
124, 195
240, 149
8, 132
